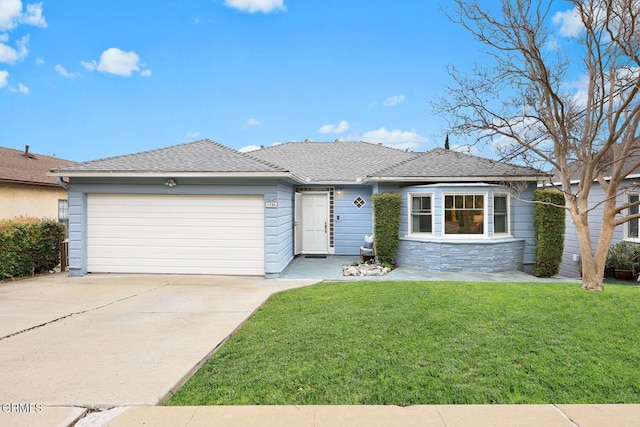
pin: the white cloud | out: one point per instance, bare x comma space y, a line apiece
10, 11
11, 15
34, 16
39, 61
116, 61
251, 123
192, 134
64, 73
341, 127
22, 89
249, 148
253, 6
10, 55
4, 78
392, 101
570, 22
402, 140
89, 65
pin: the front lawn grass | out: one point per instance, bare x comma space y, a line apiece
407, 343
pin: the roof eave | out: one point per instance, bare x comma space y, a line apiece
169, 174
509, 178
21, 182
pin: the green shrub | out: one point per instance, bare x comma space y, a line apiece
29, 246
386, 225
550, 226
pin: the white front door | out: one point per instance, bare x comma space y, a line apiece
315, 223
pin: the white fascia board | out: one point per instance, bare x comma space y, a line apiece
151, 174
455, 179
577, 181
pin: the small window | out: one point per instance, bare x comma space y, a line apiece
500, 214
359, 202
633, 225
464, 214
63, 212
421, 214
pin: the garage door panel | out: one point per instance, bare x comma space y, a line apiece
240, 243
199, 254
175, 234
188, 234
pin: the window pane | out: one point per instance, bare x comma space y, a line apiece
425, 204
421, 224
464, 221
459, 202
415, 204
633, 225
499, 223
500, 204
425, 223
448, 202
464, 214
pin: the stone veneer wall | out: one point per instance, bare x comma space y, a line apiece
481, 256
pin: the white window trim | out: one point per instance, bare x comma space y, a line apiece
626, 224
410, 197
485, 216
493, 213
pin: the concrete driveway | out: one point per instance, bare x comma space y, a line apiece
113, 340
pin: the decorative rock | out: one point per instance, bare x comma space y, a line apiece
366, 269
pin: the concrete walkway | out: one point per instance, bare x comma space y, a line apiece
330, 268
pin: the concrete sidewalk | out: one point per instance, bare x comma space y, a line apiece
332, 416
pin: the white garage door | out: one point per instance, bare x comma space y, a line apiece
175, 234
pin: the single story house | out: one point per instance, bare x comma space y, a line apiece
203, 208
25, 187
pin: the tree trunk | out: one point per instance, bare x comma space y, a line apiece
592, 265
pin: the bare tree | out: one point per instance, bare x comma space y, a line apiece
526, 102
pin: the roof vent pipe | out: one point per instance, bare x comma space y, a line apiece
26, 151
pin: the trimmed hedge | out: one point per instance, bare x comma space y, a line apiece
29, 246
550, 226
386, 225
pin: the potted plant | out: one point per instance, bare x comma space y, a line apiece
623, 258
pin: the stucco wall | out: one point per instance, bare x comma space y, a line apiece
30, 200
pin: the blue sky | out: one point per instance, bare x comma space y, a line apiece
83, 80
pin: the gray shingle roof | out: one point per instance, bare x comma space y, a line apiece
313, 162
441, 163
332, 162
198, 156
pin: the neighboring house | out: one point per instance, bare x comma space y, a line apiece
203, 208
630, 231
25, 188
